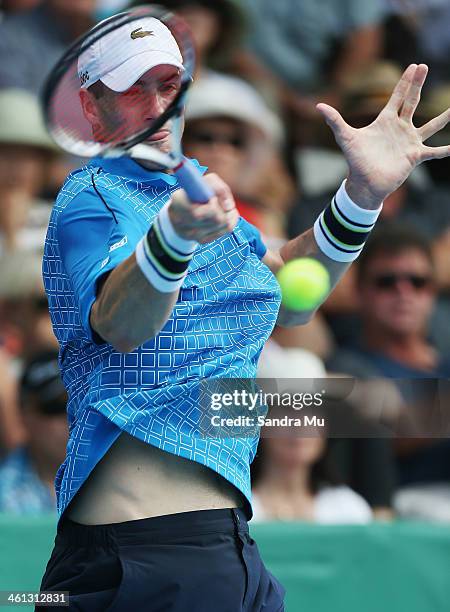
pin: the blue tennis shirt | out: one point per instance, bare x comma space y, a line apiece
226, 310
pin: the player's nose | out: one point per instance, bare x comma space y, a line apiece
155, 106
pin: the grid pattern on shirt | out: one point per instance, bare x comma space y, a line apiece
226, 310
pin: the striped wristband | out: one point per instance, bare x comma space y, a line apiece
343, 227
163, 256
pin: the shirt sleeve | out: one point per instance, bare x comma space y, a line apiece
94, 236
254, 238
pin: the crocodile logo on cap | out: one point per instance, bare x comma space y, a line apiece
140, 34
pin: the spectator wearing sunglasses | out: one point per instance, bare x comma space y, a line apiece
396, 291
27, 474
397, 295
230, 129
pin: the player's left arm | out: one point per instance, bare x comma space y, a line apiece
380, 158
304, 245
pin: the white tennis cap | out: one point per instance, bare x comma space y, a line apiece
121, 57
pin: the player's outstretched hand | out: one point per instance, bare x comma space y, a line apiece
382, 155
204, 222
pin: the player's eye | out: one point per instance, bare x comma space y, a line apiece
169, 87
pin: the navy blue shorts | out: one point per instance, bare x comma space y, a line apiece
200, 561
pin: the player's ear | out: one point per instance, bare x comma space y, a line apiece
89, 106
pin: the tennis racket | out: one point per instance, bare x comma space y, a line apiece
120, 90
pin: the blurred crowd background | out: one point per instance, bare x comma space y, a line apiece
251, 118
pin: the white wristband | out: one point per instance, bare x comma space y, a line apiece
172, 240
162, 256
343, 227
156, 276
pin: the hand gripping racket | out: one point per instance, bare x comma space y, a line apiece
120, 90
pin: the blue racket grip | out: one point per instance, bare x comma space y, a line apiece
192, 182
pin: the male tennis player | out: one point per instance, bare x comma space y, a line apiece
150, 292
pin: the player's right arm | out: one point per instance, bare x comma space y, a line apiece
128, 310
118, 304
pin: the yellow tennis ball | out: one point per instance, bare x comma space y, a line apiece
304, 283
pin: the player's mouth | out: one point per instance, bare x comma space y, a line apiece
160, 135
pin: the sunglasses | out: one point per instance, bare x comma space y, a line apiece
390, 281
236, 141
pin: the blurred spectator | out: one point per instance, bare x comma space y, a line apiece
366, 464
12, 432
25, 325
435, 102
33, 41
304, 35
310, 50
296, 482
25, 154
281, 362
217, 28
397, 293
425, 502
106, 8
27, 474
231, 130
420, 29
8, 7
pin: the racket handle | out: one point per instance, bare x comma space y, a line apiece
192, 182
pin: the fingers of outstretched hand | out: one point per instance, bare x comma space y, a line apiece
401, 89
412, 97
334, 120
434, 125
428, 153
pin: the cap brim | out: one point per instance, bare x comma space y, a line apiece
124, 76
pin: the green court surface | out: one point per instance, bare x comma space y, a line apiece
399, 567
